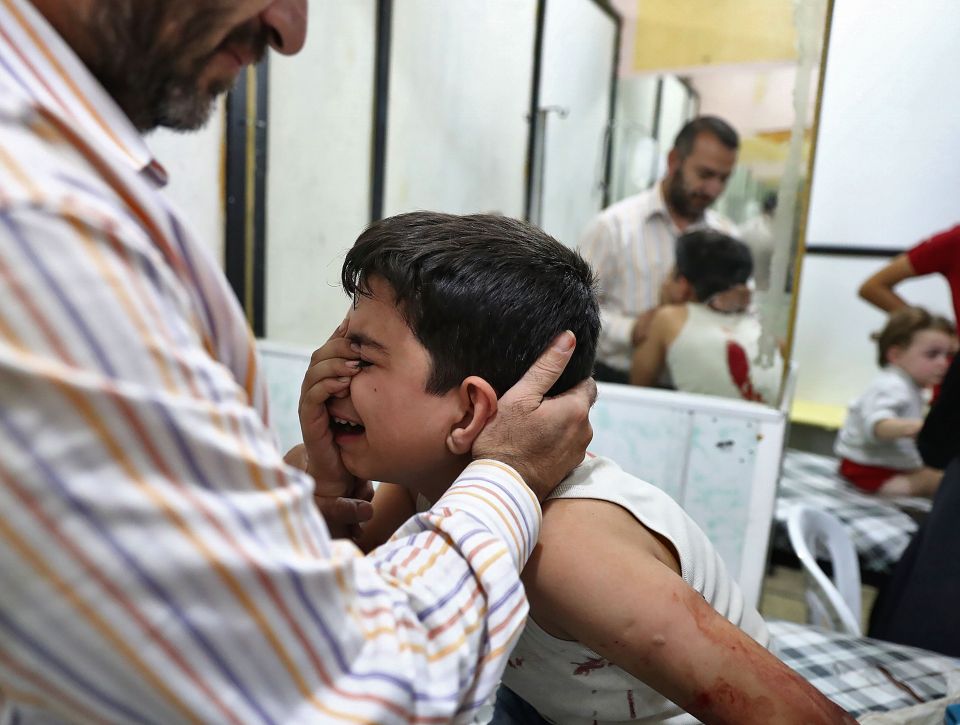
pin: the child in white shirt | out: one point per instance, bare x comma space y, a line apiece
876, 443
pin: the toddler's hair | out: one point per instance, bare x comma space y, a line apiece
484, 294
903, 324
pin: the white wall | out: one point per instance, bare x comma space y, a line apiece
460, 81
319, 150
194, 162
886, 171
752, 98
576, 73
833, 350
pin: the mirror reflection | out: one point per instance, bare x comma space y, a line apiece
752, 69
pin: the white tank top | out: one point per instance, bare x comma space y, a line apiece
568, 683
715, 354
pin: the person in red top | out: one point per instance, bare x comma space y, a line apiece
940, 253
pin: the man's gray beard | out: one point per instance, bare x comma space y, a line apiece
153, 83
182, 110
679, 201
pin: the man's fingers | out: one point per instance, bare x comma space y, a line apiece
546, 370
364, 510
363, 491
575, 405
586, 387
344, 511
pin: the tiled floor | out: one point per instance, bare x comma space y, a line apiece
783, 596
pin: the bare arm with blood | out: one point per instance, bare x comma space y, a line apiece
601, 578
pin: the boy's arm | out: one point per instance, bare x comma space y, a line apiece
614, 591
650, 356
889, 429
885, 407
392, 506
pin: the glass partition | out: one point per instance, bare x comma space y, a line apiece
634, 138
763, 78
675, 109
579, 47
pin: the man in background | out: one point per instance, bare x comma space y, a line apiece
757, 233
159, 560
631, 244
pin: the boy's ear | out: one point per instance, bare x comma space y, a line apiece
678, 290
893, 354
479, 401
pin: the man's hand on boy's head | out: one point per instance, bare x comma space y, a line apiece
340, 497
542, 438
641, 326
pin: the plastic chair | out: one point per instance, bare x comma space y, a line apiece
833, 604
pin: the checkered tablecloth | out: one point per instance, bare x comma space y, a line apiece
880, 528
861, 674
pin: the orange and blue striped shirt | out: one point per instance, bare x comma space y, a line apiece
158, 561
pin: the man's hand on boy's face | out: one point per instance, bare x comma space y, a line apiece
542, 438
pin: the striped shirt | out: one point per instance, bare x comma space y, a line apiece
158, 561
630, 246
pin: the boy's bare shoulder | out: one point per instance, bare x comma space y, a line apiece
671, 316
580, 534
667, 323
599, 523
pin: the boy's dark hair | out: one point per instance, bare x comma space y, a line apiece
715, 126
484, 294
903, 324
712, 262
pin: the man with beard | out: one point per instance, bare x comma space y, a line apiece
159, 559
631, 244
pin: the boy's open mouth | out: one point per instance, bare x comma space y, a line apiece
340, 426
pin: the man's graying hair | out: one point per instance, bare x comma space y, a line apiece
484, 294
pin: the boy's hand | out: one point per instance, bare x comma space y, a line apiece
342, 499
542, 438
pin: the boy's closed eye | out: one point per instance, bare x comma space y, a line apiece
361, 363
